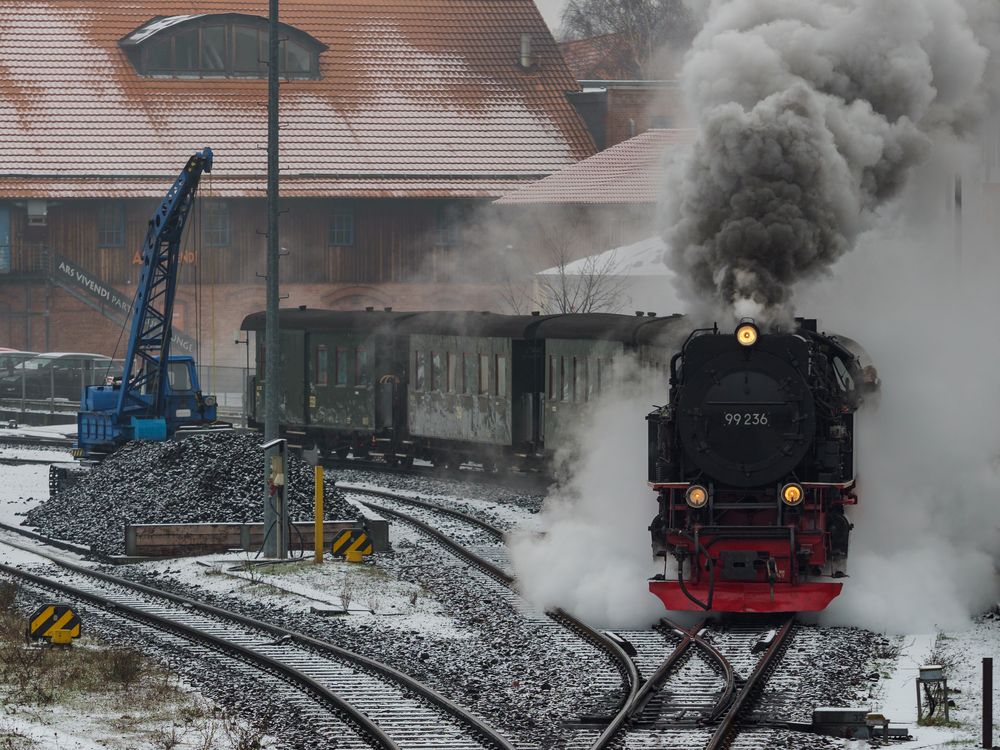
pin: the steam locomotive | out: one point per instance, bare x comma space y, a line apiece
753, 462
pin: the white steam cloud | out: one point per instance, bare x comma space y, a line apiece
595, 559
811, 115
925, 545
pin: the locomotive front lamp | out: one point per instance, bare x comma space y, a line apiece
696, 496
747, 334
792, 494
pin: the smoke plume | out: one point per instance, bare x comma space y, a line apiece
811, 116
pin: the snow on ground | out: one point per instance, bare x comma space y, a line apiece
21, 487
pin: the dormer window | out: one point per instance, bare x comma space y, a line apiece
219, 45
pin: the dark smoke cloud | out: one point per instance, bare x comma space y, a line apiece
811, 115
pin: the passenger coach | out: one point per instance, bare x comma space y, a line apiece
447, 387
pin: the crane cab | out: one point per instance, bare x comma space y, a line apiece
99, 431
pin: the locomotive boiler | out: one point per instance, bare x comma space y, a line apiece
753, 462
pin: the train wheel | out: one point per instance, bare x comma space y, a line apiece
342, 451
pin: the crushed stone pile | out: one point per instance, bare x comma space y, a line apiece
215, 477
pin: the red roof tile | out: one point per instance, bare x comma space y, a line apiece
628, 172
420, 99
599, 57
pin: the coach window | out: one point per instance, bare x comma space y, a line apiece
484, 374
343, 365
469, 373
580, 369
567, 379
501, 376
436, 374
420, 370
363, 373
553, 378
453, 386
322, 365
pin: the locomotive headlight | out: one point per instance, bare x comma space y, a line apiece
696, 496
747, 334
792, 494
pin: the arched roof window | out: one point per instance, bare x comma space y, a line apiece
219, 45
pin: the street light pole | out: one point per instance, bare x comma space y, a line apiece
275, 518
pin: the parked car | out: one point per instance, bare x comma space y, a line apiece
56, 375
11, 358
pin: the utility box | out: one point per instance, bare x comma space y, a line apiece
847, 723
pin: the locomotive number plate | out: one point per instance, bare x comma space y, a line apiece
746, 418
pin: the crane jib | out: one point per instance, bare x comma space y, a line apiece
144, 379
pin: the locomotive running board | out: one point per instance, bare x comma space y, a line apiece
735, 596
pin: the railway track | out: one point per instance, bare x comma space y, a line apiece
482, 548
700, 694
353, 701
522, 481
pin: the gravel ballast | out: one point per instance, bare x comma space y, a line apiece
207, 478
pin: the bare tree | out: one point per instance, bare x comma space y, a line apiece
590, 284
632, 31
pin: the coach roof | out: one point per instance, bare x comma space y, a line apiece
588, 326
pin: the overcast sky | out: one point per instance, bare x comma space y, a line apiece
551, 9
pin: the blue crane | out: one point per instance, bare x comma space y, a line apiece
158, 393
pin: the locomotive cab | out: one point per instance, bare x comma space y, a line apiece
753, 463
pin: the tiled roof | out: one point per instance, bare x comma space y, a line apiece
596, 57
414, 99
628, 172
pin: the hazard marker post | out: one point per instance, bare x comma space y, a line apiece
57, 624
352, 544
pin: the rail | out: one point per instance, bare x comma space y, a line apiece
598, 639
489, 736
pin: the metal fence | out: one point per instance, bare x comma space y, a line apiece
59, 391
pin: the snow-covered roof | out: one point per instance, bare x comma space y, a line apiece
642, 258
629, 172
412, 100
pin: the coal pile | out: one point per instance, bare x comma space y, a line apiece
214, 477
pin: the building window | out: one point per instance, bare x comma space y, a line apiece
215, 224
231, 44
445, 227
342, 226
111, 224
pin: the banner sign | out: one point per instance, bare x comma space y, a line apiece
112, 303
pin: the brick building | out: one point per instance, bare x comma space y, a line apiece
615, 103
399, 125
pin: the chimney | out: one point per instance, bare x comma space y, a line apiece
526, 60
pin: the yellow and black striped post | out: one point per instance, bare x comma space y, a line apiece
352, 544
318, 493
55, 623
